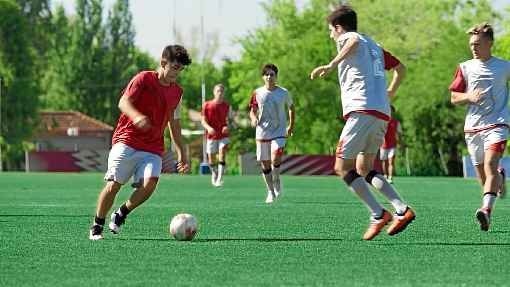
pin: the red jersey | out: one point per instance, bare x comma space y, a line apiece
390, 138
216, 116
157, 103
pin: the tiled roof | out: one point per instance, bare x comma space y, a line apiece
59, 122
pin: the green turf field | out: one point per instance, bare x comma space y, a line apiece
311, 237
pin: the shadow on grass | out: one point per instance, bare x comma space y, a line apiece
237, 239
348, 203
446, 244
45, 215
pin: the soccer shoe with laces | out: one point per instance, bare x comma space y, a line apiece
502, 184
401, 221
116, 223
483, 215
376, 225
96, 232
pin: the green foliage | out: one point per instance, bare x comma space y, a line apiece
428, 36
19, 89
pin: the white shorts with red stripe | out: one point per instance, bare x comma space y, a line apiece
213, 146
125, 161
362, 133
265, 148
489, 139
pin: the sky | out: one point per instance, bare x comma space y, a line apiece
154, 21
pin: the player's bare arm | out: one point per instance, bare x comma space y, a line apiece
473, 97
399, 73
175, 133
346, 50
139, 120
208, 127
292, 116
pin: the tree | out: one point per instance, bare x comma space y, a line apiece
427, 35
19, 85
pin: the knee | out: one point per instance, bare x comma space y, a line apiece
112, 187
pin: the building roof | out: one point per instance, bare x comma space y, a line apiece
66, 122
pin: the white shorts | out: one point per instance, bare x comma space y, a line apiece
491, 139
266, 148
362, 133
386, 153
125, 161
214, 146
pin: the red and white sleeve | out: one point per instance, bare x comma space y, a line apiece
459, 83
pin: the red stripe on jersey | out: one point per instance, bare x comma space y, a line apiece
390, 61
459, 83
485, 128
373, 113
269, 140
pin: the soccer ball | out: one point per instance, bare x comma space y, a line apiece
183, 227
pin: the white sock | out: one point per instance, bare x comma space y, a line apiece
268, 179
276, 178
391, 194
360, 187
214, 173
488, 200
221, 170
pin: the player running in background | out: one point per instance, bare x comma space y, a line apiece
482, 84
388, 150
361, 63
150, 102
269, 107
215, 121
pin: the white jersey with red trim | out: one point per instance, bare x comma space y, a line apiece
272, 112
361, 77
491, 78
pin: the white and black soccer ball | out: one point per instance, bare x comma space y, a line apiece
183, 227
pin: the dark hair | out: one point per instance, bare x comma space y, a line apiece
344, 16
484, 29
268, 67
176, 53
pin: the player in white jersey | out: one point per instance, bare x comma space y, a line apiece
482, 84
361, 64
269, 107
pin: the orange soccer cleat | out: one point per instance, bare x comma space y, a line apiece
401, 221
483, 215
376, 225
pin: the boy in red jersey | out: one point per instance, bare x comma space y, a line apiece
388, 150
214, 119
149, 104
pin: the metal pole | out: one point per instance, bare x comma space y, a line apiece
202, 48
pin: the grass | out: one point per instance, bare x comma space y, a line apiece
311, 237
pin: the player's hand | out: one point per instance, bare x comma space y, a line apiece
224, 130
290, 131
182, 167
254, 122
211, 131
474, 96
320, 71
142, 122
